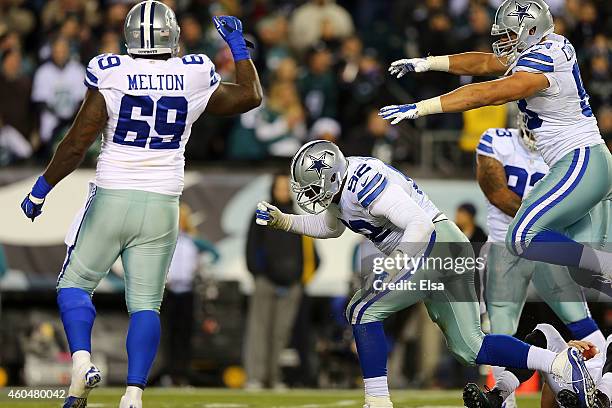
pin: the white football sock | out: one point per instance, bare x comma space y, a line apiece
597, 261
540, 359
376, 386
506, 383
80, 358
605, 385
133, 393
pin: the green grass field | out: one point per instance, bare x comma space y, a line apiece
217, 398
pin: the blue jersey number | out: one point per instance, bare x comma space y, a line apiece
582, 94
371, 232
142, 129
109, 61
522, 179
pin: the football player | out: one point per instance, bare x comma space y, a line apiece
544, 79
555, 393
508, 167
144, 105
388, 208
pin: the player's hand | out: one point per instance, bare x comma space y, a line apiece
401, 67
267, 214
32, 206
397, 113
587, 348
228, 26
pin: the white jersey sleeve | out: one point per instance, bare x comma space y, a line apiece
151, 106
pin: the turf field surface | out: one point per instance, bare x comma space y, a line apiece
219, 398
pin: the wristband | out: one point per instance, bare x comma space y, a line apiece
441, 63
238, 46
429, 106
41, 188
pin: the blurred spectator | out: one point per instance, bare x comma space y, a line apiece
318, 86
604, 119
13, 146
278, 261
325, 129
15, 87
280, 124
465, 218
56, 93
376, 139
272, 32
316, 21
179, 299
192, 39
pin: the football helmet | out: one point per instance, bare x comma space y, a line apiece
151, 29
521, 24
527, 136
317, 172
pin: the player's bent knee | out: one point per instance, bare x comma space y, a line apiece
464, 355
139, 306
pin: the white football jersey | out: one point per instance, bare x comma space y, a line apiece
560, 116
151, 106
523, 167
367, 178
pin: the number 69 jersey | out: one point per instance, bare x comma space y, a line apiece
560, 116
151, 106
523, 168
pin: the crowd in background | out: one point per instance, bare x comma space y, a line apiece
323, 64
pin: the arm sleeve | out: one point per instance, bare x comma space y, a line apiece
399, 208
323, 225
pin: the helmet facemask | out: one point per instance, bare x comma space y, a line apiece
527, 136
317, 173
508, 47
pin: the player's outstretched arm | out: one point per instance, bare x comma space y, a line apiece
468, 63
518, 86
492, 180
246, 93
322, 225
88, 124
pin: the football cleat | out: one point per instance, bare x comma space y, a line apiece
474, 397
568, 369
377, 402
129, 403
84, 379
569, 399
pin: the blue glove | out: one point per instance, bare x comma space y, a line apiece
230, 29
397, 113
32, 204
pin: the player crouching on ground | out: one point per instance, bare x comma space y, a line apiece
555, 393
389, 209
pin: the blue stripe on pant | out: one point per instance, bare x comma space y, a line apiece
532, 214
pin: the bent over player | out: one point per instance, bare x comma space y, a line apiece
388, 208
545, 82
144, 104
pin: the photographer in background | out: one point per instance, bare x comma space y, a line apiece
279, 262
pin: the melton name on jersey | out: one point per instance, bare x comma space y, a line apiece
151, 106
560, 116
523, 168
367, 178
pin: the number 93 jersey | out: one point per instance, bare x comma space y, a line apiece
523, 168
560, 116
151, 106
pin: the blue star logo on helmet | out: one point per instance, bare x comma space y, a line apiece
318, 164
522, 12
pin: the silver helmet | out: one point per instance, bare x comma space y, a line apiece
526, 135
317, 172
151, 29
521, 24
